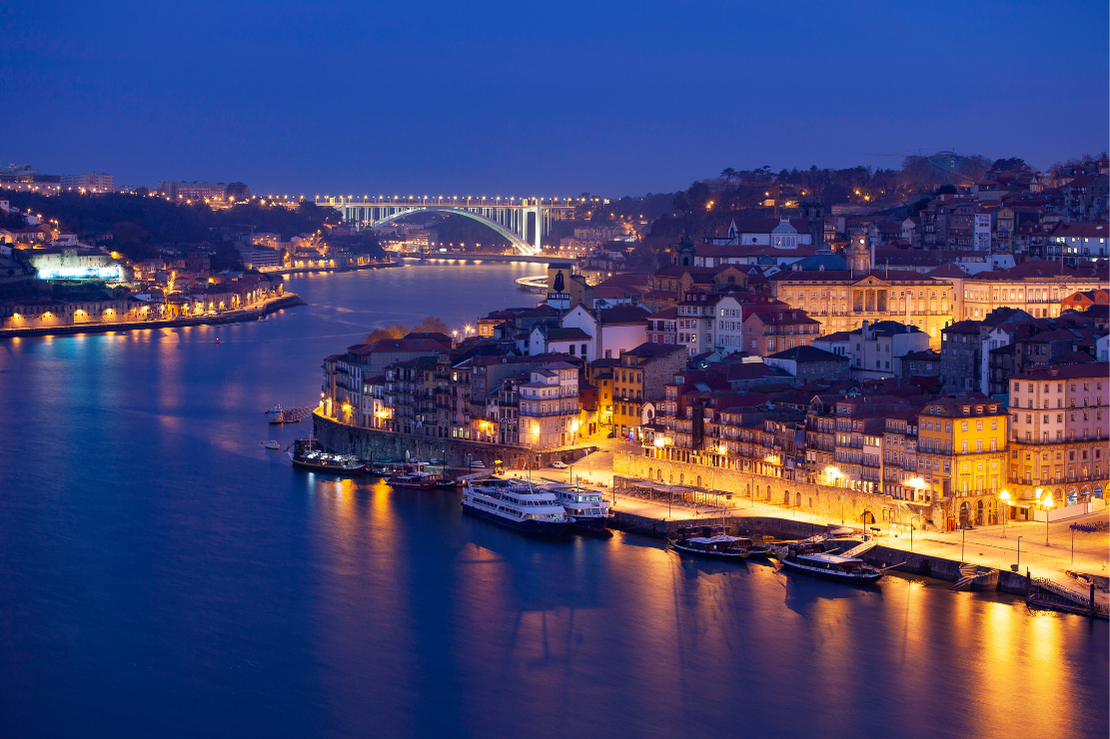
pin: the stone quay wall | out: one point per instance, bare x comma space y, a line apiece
374, 444
853, 507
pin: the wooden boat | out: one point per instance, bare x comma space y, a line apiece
976, 578
421, 480
307, 455
810, 558
271, 444
711, 542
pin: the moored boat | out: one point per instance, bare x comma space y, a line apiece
516, 505
276, 415
811, 559
588, 510
417, 479
711, 542
271, 444
308, 456
977, 578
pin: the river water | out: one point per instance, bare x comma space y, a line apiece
161, 574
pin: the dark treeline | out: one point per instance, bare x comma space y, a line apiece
138, 226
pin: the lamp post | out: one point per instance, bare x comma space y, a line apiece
1019, 555
963, 539
1005, 497
1048, 504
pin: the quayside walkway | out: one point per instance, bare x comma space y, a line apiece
991, 546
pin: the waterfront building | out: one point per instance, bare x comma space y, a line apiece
77, 263
1059, 419
641, 375
548, 416
962, 456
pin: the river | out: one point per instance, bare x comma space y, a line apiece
161, 574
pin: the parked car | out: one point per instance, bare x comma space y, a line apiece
559, 465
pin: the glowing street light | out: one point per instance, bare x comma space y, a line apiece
1048, 504
1004, 496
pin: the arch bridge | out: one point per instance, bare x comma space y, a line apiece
513, 218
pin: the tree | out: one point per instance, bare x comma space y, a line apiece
432, 325
396, 331
729, 174
1013, 164
238, 190
974, 167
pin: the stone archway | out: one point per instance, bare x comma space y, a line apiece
867, 518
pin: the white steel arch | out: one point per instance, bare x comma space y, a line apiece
518, 243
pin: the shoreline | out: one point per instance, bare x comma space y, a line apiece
272, 305
306, 270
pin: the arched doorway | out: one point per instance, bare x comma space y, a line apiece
979, 514
965, 515
867, 518
786, 498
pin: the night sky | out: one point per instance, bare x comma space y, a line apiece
519, 98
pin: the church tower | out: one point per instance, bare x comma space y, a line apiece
813, 210
858, 252
683, 254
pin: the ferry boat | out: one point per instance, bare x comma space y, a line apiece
811, 559
711, 542
276, 415
308, 456
516, 505
588, 509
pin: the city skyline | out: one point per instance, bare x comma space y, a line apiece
513, 100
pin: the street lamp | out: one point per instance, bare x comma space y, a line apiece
1018, 565
1048, 504
1004, 496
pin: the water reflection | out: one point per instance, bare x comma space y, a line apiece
159, 569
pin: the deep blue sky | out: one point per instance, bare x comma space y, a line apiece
521, 98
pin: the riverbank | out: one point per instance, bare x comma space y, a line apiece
252, 313
349, 268
1028, 556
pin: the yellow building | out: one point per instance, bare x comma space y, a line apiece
841, 302
628, 398
961, 453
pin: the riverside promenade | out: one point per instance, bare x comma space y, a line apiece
250, 313
990, 546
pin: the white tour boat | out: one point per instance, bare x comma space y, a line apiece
516, 505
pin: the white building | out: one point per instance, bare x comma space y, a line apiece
875, 351
728, 325
548, 416
73, 263
981, 236
613, 329
92, 181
